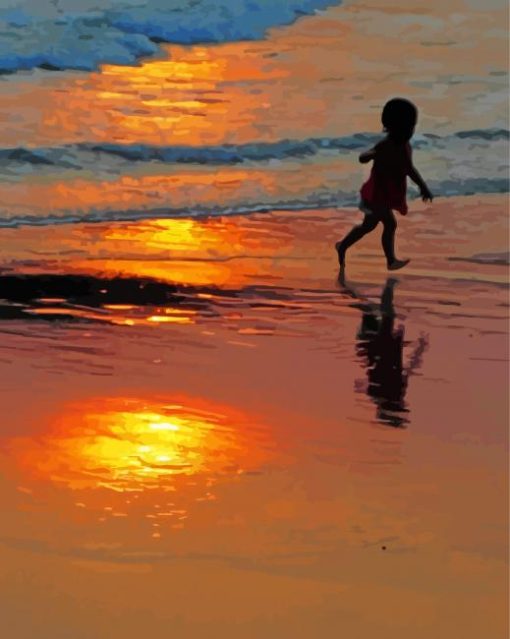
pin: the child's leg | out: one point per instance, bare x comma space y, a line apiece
369, 223
388, 235
388, 240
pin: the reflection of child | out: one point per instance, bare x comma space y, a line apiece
386, 187
381, 348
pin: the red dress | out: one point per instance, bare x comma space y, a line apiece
387, 185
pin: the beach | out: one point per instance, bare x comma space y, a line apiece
301, 500
207, 430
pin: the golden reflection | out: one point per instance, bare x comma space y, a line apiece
135, 445
118, 314
172, 316
185, 238
221, 252
194, 96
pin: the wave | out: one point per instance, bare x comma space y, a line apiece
473, 134
80, 154
77, 155
55, 35
23, 155
484, 134
322, 200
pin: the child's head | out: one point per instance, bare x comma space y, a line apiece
399, 119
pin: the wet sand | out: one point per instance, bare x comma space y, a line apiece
202, 424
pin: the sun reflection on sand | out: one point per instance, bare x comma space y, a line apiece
214, 252
118, 314
146, 460
135, 445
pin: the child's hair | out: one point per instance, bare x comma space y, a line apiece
399, 117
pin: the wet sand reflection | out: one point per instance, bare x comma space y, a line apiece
380, 347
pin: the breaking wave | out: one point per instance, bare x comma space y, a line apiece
80, 35
78, 155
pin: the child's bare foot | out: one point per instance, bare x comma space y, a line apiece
397, 264
341, 254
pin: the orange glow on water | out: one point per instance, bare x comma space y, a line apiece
185, 191
195, 96
171, 316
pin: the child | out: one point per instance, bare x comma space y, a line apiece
386, 188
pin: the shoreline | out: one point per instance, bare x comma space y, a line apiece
442, 241
213, 213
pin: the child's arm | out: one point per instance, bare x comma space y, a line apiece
417, 178
367, 156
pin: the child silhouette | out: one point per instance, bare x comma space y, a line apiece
385, 190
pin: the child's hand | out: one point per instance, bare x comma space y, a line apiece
426, 195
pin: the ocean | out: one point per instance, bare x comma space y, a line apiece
193, 108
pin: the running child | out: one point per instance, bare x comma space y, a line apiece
385, 190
